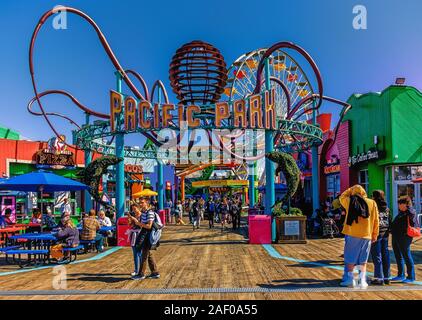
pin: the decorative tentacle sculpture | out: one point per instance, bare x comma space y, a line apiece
287, 165
92, 174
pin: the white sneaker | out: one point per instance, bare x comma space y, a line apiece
133, 273
363, 284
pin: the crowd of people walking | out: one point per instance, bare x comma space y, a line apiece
216, 209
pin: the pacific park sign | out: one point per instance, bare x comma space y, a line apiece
256, 112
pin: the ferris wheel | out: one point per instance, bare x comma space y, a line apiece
288, 79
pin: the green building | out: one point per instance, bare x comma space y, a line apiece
385, 143
6, 133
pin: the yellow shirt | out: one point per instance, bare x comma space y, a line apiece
365, 228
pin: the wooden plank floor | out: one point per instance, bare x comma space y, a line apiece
211, 259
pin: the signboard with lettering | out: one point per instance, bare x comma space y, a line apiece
56, 156
147, 165
291, 228
370, 155
332, 169
133, 168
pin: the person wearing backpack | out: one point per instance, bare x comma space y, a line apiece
379, 249
360, 229
402, 240
146, 222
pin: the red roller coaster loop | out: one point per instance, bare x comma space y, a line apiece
110, 54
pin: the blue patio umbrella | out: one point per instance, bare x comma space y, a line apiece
42, 181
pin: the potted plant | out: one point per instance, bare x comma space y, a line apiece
290, 224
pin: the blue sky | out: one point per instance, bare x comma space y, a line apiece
145, 34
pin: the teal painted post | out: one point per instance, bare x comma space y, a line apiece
269, 165
120, 167
160, 178
251, 184
160, 185
87, 160
315, 166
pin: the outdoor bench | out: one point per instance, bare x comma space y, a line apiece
74, 248
14, 251
9, 248
73, 254
43, 255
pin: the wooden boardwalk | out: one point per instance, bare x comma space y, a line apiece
210, 259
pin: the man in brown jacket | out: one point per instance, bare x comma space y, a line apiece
90, 226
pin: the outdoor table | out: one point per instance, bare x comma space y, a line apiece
11, 229
4, 233
102, 229
106, 229
35, 237
27, 225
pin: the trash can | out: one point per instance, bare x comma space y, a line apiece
259, 229
162, 214
122, 237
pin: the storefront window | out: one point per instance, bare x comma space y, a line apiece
402, 173
406, 190
308, 190
403, 186
333, 185
420, 200
405, 173
416, 172
387, 186
363, 179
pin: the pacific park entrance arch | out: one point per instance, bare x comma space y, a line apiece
231, 115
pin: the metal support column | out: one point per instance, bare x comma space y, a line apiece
120, 167
160, 185
315, 166
160, 179
182, 188
87, 160
269, 165
251, 184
